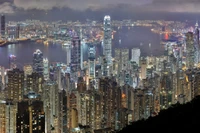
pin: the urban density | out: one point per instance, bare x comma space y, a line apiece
99, 88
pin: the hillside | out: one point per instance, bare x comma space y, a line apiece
185, 116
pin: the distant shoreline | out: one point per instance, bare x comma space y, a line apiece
3, 44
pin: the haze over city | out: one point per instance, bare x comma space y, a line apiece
95, 9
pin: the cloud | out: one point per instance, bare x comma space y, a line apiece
6, 7
74, 4
191, 6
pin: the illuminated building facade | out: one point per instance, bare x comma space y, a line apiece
15, 84
107, 41
68, 47
143, 64
190, 50
46, 68
38, 62
51, 105
91, 60
28, 70
34, 82
30, 115
135, 55
76, 58
196, 43
8, 112
124, 58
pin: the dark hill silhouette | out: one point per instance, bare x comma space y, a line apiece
176, 118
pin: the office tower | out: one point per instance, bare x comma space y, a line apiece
76, 58
105, 67
3, 77
17, 36
28, 70
3, 26
12, 62
107, 41
50, 99
190, 50
91, 61
46, 69
30, 114
34, 83
68, 47
38, 62
118, 59
8, 112
124, 58
135, 55
15, 84
143, 64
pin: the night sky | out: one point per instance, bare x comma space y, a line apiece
92, 9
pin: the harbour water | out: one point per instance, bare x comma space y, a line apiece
135, 37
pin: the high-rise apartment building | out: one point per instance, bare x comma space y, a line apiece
51, 104
15, 86
107, 41
8, 111
34, 83
30, 114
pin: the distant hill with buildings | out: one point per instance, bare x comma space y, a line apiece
177, 118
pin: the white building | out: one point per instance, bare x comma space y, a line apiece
107, 41
135, 55
46, 69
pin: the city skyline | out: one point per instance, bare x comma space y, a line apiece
59, 74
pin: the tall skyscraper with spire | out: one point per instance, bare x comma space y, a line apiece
107, 41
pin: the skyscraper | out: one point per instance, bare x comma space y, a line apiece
68, 47
15, 85
124, 58
3, 26
190, 50
76, 58
38, 61
135, 55
107, 41
91, 57
30, 115
46, 69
